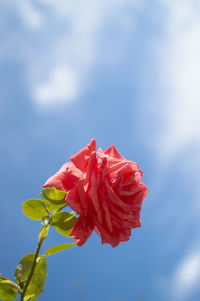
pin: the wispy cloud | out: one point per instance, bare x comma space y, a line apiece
185, 279
180, 63
63, 35
179, 131
61, 86
29, 14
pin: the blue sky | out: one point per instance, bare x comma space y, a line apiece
126, 73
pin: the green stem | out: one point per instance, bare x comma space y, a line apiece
33, 266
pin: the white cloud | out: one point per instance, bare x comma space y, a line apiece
176, 139
179, 56
180, 63
60, 87
186, 277
68, 36
29, 14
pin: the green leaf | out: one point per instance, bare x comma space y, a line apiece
23, 267
8, 291
3, 278
35, 209
63, 222
54, 198
44, 232
37, 282
59, 248
13, 284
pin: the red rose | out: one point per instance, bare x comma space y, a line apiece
105, 190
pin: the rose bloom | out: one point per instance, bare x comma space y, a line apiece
105, 190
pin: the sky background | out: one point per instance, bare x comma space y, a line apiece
124, 72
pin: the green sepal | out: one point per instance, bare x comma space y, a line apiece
54, 198
35, 209
29, 297
63, 222
58, 248
44, 232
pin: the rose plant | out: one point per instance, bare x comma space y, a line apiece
104, 191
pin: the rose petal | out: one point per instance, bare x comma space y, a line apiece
115, 199
106, 236
102, 196
65, 179
84, 200
92, 188
73, 200
113, 152
80, 159
81, 231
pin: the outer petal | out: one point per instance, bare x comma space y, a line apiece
73, 200
80, 159
106, 236
113, 152
81, 231
84, 200
65, 178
